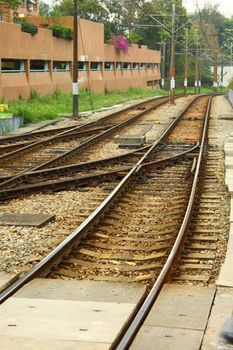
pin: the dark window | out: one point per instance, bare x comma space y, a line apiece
142, 66
135, 66
95, 66
1, 16
149, 65
61, 66
118, 66
156, 66
82, 66
11, 66
108, 65
126, 65
38, 66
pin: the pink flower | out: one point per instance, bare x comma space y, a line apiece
121, 44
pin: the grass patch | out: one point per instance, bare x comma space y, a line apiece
47, 107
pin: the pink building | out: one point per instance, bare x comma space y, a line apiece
44, 63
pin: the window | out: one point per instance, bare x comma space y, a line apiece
1, 16
156, 66
118, 66
12, 66
82, 66
149, 65
142, 66
61, 66
150, 83
135, 66
108, 65
95, 66
126, 66
39, 66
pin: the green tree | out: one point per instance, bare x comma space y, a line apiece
87, 9
124, 13
12, 4
44, 9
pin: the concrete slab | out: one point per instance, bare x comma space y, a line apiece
222, 308
180, 306
81, 290
37, 220
160, 338
225, 278
20, 343
6, 280
130, 141
81, 314
229, 162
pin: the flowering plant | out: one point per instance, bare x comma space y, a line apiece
120, 43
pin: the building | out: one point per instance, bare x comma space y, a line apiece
44, 63
27, 8
225, 75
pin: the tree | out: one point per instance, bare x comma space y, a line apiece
124, 14
87, 9
12, 4
44, 9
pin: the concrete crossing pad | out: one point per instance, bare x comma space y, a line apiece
83, 314
179, 316
6, 280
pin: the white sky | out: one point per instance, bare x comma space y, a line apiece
225, 6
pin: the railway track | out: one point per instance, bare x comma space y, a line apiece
88, 159
59, 147
139, 229
20, 143
153, 175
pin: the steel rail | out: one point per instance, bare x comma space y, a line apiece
19, 146
126, 339
42, 268
55, 185
81, 145
86, 125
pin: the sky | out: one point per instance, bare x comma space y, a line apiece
224, 5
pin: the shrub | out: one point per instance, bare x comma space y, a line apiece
62, 32
28, 27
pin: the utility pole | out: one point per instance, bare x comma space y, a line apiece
75, 61
196, 71
199, 76
231, 53
186, 62
172, 65
222, 68
215, 84
163, 65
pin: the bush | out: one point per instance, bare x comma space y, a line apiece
62, 32
28, 27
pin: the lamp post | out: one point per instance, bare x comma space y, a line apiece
75, 61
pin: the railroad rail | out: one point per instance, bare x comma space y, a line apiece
114, 250
181, 171
9, 144
48, 149
28, 181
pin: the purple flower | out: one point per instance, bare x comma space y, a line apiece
121, 44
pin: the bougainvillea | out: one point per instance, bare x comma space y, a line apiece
120, 43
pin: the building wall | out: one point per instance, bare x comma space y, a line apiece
227, 74
21, 49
